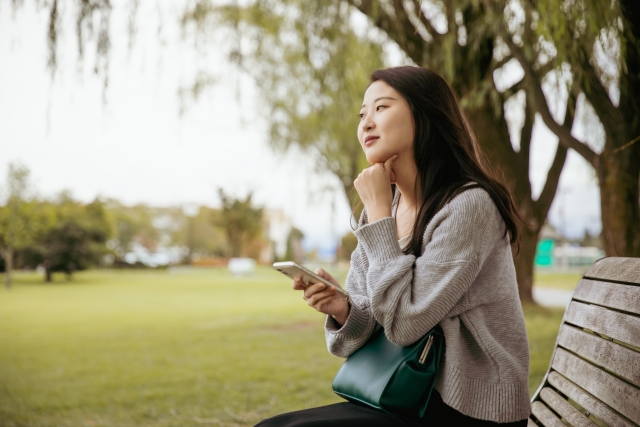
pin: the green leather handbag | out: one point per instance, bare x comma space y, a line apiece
395, 379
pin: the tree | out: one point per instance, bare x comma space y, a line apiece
348, 244
240, 221
462, 49
18, 222
295, 252
465, 41
311, 69
131, 224
196, 232
76, 239
600, 43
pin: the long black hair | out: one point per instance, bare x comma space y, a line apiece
445, 150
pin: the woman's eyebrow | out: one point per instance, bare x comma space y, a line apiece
378, 99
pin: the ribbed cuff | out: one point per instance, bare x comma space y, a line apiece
379, 240
357, 323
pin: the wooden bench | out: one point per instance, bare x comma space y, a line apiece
594, 377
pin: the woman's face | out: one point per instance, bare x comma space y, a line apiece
386, 124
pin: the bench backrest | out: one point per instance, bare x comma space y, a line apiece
594, 377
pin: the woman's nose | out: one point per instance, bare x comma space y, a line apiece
368, 125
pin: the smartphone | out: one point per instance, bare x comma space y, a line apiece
291, 270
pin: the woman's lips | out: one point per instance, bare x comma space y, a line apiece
370, 140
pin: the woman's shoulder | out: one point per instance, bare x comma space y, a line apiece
470, 212
472, 199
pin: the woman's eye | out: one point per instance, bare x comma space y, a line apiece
380, 106
361, 116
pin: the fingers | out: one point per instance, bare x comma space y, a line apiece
320, 272
298, 284
387, 167
309, 289
389, 162
320, 298
314, 289
323, 298
322, 304
379, 167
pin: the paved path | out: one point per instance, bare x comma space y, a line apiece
552, 297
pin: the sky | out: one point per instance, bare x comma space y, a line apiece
135, 145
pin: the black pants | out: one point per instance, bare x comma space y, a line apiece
354, 415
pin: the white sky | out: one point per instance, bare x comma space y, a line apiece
137, 148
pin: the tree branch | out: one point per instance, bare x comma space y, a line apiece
542, 205
543, 70
540, 100
534, 82
380, 18
527, 132
399, 29
500, 63
598, 96
417, 5
508, 93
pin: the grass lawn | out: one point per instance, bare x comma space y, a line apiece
199, 347
557, 280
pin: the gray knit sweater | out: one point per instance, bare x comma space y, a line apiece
465, 281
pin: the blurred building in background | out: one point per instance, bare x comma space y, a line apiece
554, 251
277, 227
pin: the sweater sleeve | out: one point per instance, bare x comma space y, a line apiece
344, 340
411, 295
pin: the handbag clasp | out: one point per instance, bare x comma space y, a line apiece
425, 351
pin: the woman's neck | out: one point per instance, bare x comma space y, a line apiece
405, 173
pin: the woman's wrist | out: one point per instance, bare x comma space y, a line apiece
341, 318
377, 213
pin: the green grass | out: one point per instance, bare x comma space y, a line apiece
160, 349
557, 280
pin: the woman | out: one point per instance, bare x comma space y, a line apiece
434, 247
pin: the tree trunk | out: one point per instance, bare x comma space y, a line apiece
472, 67
618, 168
524, 261
619, 175
493, 136
47, 271
8, 267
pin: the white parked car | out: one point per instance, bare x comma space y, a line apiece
240, 266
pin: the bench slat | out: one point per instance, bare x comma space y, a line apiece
620, 326
616, 358
564, 408
601, 411
620, 395
545, 416
614, 295
530, 423
619, 269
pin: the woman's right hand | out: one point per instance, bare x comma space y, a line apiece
323, 298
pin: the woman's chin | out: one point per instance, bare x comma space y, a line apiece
373, 158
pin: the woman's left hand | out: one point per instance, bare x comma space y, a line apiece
374, 187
